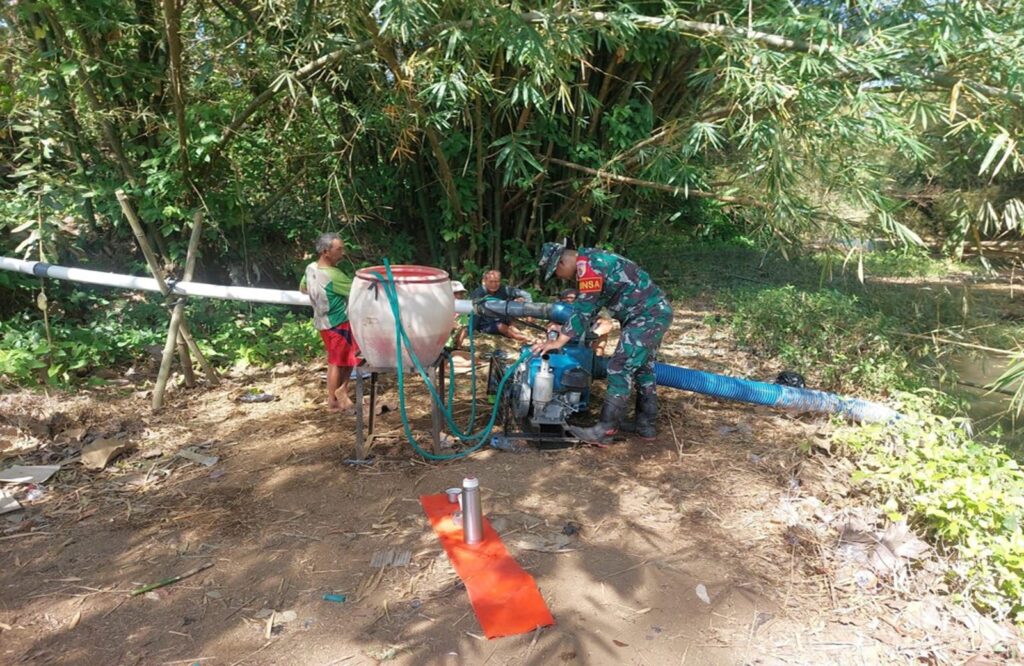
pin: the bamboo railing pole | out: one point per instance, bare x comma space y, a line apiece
185, 359
190, 267
186, 333
168, 356
140, 236
176, 315
191, 257
176, 322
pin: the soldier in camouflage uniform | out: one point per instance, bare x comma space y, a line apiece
606, 280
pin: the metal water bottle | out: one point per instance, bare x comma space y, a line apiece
472, 512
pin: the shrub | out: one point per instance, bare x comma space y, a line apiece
263, 336
967, 495
911, 262
96, 333
28, 357
826, 335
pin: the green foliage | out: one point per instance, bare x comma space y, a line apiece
27, 357
118, 333
827, 335
964, 492
1013, 379
908, 262
968, 495
453, 127
264, 336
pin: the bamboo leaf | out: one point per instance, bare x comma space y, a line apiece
1010, 147
28, 242
997, 145
24, 226
954, 95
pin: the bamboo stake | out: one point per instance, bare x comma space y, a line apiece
154, 267
190, 259
170, 581
140, 236
185, 359
177, 316
190, 267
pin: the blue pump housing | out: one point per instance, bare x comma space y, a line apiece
570, 357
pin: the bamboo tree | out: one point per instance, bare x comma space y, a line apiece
756, 110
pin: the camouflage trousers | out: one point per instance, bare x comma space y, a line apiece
633, 360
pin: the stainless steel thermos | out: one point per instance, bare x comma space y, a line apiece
472, 512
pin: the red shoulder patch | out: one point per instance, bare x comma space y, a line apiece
589, 280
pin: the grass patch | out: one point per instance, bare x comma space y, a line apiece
826, 335
909, 263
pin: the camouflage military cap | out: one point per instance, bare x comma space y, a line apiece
550, 253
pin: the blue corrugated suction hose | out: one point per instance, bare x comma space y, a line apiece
772, 395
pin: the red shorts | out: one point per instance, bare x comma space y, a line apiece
341, 347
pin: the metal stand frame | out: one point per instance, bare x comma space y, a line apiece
436, 373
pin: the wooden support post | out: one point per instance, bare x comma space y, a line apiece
178, 323
191, 258
177, 316
190, 269
185, 360
208, 370
133, 220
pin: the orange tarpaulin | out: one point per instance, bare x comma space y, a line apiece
505, 598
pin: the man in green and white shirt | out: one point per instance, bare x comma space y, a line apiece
328, 288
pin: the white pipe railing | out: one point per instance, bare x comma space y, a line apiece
251, 294
229, 293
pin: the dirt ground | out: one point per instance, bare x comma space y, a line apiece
716, 544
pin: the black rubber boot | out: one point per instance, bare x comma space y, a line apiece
602, 432
647, 416
644, 425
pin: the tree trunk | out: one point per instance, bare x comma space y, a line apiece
481, 158
172, 25
426, 213
110, 135
607, 78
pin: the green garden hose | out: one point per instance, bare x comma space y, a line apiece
477, 439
